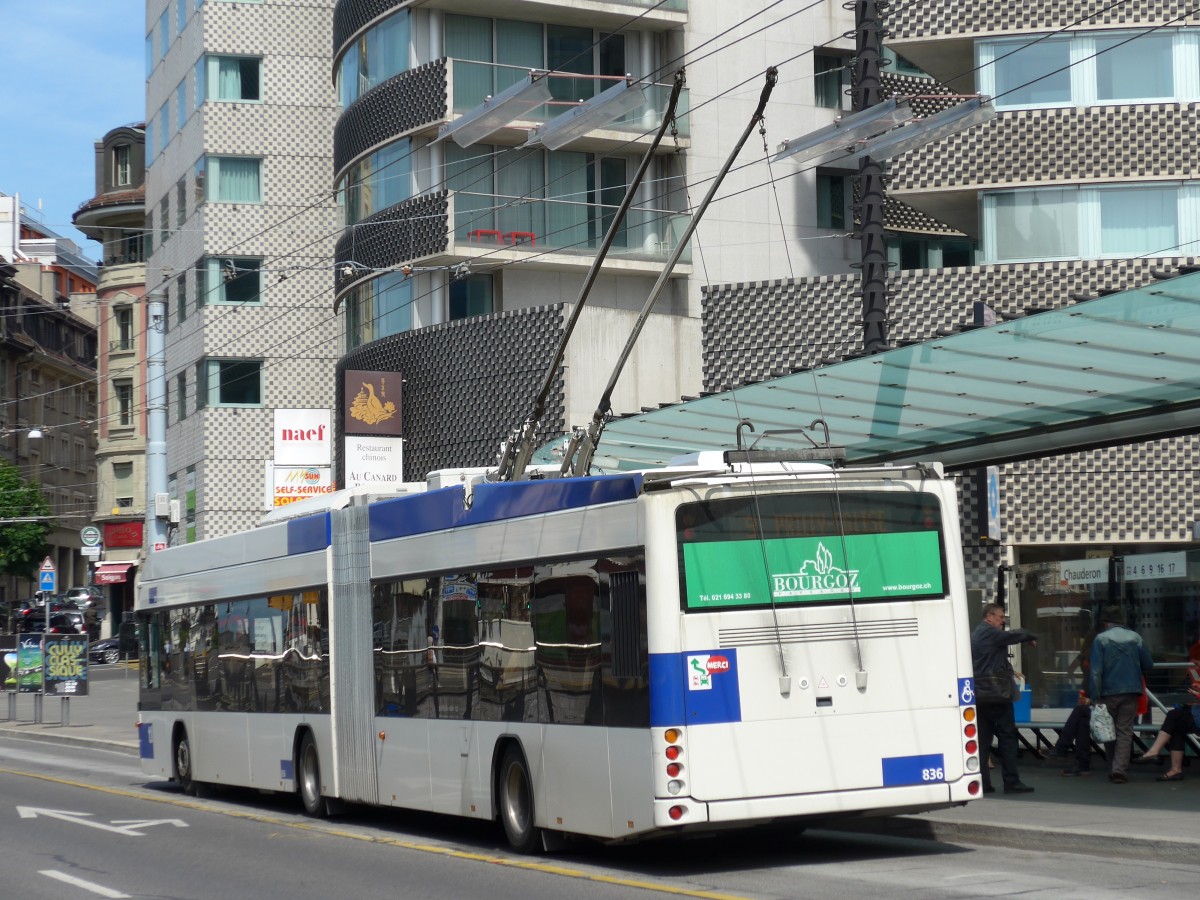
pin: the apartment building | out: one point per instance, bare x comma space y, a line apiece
115, 216
48, 381
1085, 183
468, 230
241, 222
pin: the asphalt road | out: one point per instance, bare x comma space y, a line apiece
82, 822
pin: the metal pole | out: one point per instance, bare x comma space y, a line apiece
867, 28
156, 420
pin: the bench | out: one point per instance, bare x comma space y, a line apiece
1046, 734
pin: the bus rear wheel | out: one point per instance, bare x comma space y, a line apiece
309, 778
515, 796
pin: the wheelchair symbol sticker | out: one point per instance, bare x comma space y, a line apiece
966, 692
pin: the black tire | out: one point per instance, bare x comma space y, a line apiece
112, 655
514, 797
183, 763
308, 778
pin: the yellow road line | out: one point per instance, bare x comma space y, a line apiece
451, 852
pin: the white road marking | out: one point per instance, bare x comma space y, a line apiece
127, 827
80, 883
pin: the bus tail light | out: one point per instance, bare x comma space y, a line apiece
674, 782
676, 812
973, 788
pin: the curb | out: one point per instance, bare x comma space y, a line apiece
1027, 837
18, 729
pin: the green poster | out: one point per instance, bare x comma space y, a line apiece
807, 570
29, 664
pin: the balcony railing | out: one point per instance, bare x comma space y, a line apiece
122, 345
473, 82
489, 221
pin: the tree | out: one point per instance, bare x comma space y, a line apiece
22, 543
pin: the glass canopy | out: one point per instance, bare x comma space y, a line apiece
1120, 368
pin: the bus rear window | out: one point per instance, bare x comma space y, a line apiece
810, 548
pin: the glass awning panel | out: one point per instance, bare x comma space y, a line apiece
1120, 368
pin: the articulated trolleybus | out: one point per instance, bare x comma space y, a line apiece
720, 643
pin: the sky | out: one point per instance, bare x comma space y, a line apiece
71, 71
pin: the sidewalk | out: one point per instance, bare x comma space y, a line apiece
1143, 819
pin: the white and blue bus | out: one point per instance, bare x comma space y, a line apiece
717, 644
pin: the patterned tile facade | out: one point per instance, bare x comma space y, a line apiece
395, 107
462, 394
1147, 491
953, 18
351, 16
1156, 143
394, 236
293, 330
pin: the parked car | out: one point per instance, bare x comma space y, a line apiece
59, 623
113, 650
84, 596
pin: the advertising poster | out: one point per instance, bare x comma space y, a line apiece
29, 664
66, 665
8, 662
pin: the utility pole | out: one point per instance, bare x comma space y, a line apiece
868, 28
156, 420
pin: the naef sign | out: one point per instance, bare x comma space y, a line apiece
303, 437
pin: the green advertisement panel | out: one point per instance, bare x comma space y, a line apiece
812, 569
66, 665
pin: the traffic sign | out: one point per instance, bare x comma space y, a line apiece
89, 536
91, 552
47, 577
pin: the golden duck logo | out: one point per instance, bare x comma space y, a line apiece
368, 408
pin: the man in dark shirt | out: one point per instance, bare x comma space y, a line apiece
989, 655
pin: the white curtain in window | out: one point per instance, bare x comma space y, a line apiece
470, 175
519, 45
567, 182
1032, 74
1137, 69
236, 179
1040, 224
229, 78
1138, 220
520, 175
470, 38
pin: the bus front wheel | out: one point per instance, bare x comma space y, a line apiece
183, 763
309, 771
515, 795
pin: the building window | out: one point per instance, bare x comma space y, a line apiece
123, 393
149, 52
181, 298
164, 125
164, 29
381, 307
231, 78
471, 296
122, 162
1151, 219
181, 15
181, 396
229, 179
229, 279
228, 382
832, 195
123, 483
180, 202
164, 219
831, 81
379, 53
123, 323
181, 107
381, 180
1089, 68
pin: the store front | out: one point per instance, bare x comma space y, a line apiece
1060, 600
